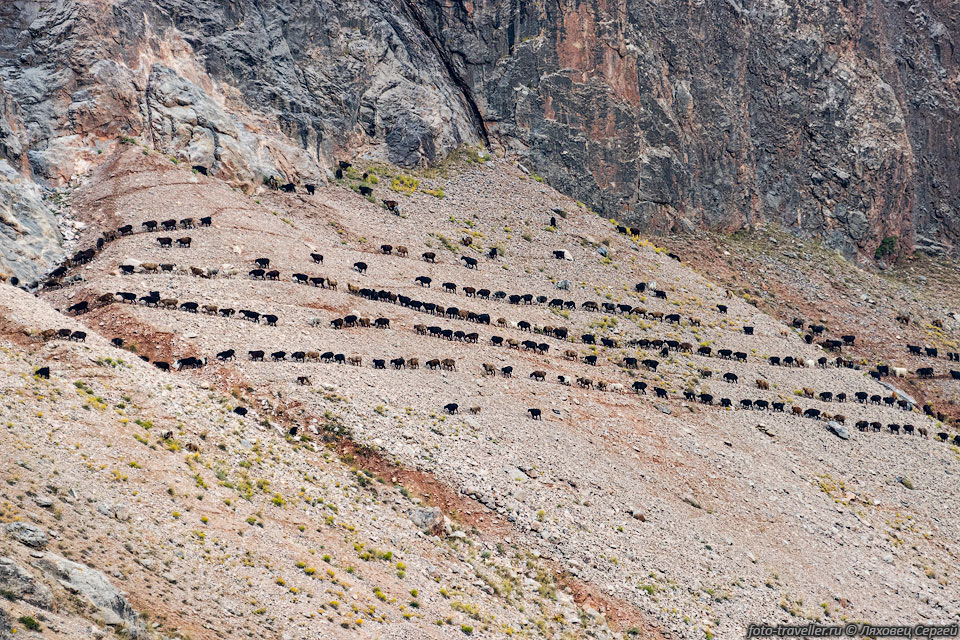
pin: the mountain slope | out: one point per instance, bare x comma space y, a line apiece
669, 514
214, 525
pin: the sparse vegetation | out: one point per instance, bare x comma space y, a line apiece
886, 248
29, 622
404, 184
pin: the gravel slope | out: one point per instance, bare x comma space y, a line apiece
695, 518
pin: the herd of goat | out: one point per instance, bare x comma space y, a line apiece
262, 271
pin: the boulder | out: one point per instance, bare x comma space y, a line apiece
17, 583
27, 534
93, 586
838, 430
427, 519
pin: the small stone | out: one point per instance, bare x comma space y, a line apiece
515, 474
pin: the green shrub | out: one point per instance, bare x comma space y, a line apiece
886, 248
29, 622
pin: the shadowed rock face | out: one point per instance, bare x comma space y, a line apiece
836, 119
225, 80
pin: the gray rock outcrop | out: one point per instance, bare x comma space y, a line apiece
5, 629
27, 534
429, 520
93, 586
29, 239
18, 583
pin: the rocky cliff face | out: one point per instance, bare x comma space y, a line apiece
29, 238
837, 119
